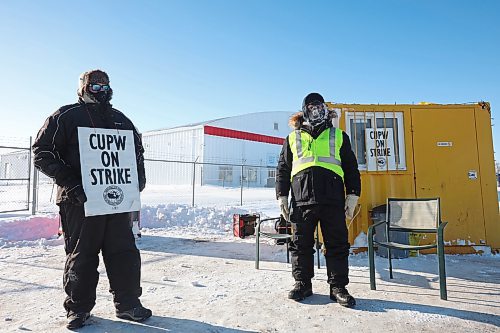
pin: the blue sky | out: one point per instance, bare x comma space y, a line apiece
178, 62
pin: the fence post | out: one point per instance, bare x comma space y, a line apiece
194, 179
241, 186
29, 174
34, 203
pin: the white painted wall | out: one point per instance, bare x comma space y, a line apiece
259, 122
14, 165
187, 143
182, 144
236, 151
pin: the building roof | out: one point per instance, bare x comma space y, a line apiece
219, 120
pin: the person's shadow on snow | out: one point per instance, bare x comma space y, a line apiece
316, 299
423, 265
155, 324
377, 305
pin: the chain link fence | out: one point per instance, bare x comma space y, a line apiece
15, 174
44, 193
22, 188
183, 182
193, 182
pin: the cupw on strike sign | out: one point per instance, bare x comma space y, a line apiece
380, 153
109, 171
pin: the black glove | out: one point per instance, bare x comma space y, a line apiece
77, 195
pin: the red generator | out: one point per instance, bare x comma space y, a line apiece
244, 224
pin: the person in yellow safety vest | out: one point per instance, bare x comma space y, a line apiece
316, 163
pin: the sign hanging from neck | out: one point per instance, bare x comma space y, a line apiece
109, 171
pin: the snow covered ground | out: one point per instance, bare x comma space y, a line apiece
197, 277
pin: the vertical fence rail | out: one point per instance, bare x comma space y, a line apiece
241, 186
29, 174
194, 179
34, 203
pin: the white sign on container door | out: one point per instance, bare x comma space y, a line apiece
109, 171
380, 149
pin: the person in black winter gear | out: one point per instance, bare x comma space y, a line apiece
56, 154
318, 167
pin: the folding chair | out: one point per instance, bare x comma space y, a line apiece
285, 237
410, 215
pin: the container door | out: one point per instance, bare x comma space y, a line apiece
446, 166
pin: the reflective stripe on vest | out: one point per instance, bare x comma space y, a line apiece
324, 151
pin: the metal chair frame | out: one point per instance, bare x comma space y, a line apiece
406, 220
275, 236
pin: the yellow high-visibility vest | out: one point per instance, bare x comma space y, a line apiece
324, 151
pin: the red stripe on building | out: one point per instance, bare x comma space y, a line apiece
229, 133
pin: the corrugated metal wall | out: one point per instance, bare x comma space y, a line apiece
188, 143
14, 165
267, 123
184, 144
236, 151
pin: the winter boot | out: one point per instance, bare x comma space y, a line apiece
301, 290
139, 313
342, 296
77, 320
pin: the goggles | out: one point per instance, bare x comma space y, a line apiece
315, 104
95, 88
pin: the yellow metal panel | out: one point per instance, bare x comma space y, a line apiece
446, 164
469, 205
376, 187
488, 181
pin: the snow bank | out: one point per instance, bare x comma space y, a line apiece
42, 229
29, 228
201, 219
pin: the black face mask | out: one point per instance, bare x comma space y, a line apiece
101, 97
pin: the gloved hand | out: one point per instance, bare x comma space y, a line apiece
351, 201
285, 210
77, 195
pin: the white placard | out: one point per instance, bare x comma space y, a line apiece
472, 174
109, 171
380, 149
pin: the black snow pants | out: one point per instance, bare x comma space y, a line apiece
335, 237
84, 238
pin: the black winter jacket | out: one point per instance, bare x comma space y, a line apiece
317, 185
56, 150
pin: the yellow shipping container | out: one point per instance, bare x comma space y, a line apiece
428, 150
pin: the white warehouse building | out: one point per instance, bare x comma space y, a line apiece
15, 165
226, 151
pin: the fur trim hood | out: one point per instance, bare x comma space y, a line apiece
297, 119
90, 77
